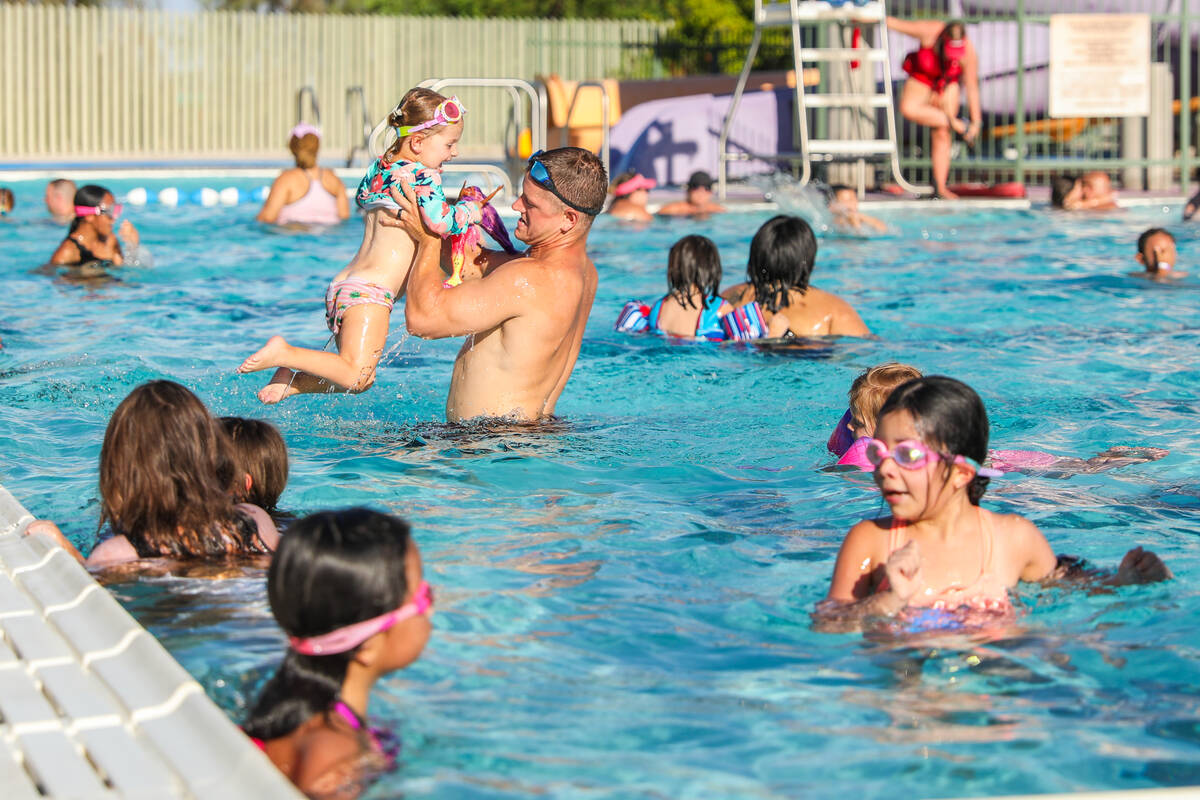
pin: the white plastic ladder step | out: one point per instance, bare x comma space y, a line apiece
851, 147
843, 54
846, 100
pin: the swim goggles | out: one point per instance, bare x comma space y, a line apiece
541, 176
914, 454
448, 112
351, 636
112, 212
634, 184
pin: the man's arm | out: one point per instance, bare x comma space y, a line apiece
435, 312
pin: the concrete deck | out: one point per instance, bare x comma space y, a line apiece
91, 705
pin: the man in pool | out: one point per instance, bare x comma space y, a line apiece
524, 315
1156, 252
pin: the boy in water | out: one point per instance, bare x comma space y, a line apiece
843, 203
1156, 252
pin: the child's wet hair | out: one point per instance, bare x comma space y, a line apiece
873, 386
694, 263
332, 569
415, 107
260, 452
1145, 237
165, 471
949, 416
782, 255
1060, 187
7, 200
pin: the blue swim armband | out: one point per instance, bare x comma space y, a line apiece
634, 318
745, 323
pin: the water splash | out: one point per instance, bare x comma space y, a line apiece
808, 201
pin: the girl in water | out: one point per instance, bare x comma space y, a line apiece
939, 559
93, 233
359, 300
165, 473
347, 589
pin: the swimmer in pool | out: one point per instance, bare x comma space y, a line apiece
631, 192
1091, 192
938, 552
697, 200
1156, 252
691, 308
782, 256
843, 203
7, 201
93, 235
871, 389
359, 300
60, 200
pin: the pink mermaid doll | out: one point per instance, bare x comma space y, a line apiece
359, 300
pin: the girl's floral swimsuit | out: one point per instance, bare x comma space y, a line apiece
375, 191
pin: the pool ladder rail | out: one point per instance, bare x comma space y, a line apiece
793, 14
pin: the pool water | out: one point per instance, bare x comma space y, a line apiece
624, 595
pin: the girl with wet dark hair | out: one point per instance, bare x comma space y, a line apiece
347, 589
93, 235
783, 255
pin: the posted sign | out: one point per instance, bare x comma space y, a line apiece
1099, 65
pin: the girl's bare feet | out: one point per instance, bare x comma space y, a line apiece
268, 355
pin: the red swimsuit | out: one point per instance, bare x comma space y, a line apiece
937, 73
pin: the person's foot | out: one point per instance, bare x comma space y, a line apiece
944, 194
1141, 566
279, 388
268, 356
958, 125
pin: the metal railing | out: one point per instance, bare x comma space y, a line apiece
605, 103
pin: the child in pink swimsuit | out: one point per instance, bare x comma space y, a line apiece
938, 552
359, 300
347, 589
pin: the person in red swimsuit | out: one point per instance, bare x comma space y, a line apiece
932, 95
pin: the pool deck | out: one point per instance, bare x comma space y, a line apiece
91, 705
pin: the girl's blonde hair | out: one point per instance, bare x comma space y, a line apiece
873, 387
415, 107
304, 148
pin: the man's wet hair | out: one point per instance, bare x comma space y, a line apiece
1060, 187
578, 175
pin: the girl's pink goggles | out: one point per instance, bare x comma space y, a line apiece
112, 212
351, 636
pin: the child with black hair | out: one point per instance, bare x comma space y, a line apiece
783, 254
347, 588
262, 461
1156, 252
692, 307
939, 560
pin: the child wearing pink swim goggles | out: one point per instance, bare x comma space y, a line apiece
347, 588
94, 235
938, 550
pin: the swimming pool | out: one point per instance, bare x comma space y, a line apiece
624, 597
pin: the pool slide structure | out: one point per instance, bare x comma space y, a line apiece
91, 705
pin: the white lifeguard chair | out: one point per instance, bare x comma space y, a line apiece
793, 14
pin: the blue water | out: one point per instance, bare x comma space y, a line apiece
624, 597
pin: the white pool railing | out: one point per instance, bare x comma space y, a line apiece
91, 705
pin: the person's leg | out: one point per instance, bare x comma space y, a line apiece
950, 103
939, 155
361, 340
917, 105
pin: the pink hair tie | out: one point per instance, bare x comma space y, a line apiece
303, 128
351, 636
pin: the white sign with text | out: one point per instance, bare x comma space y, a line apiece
1099, 65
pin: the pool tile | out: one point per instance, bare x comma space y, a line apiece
97, 623
13, 777
132, 766
59, 767
78, 695
60, 580
33, 639
21, 702
142, 676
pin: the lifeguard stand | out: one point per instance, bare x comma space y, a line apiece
793, 14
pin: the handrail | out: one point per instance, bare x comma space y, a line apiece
363, 135
311, 93
514, 86
604, 107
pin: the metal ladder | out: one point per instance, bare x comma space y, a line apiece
360, 124
792, 14
311, 94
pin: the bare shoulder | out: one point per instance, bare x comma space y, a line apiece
1013, 526
738, 293
327, 757
267, 531
112, 551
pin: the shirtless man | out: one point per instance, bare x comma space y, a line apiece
782, 255
524, 316
698, 199
60, 200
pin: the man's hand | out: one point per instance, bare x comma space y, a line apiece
410, 215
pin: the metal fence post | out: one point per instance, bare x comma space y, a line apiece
1185, 96
1019, 118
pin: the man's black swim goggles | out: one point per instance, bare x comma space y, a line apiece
541, 176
